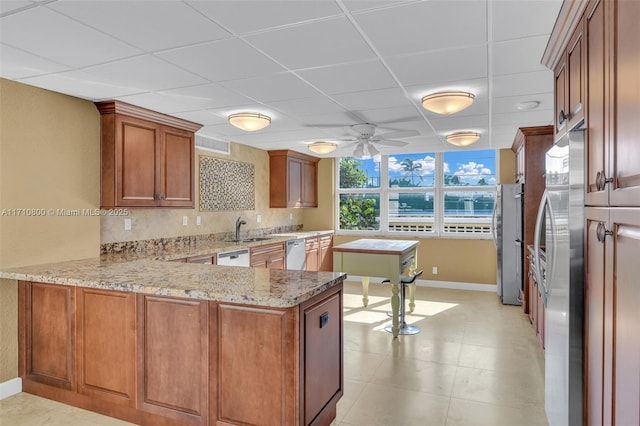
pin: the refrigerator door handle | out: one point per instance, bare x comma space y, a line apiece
536, 245
494, 224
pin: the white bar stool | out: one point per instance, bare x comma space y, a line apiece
405, 329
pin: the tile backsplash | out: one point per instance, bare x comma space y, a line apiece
159, 223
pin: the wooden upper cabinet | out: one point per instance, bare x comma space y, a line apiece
624, 146
147, 158
293, 179
596, 139
569, 85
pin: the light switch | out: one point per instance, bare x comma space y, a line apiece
198, 220
185, 220
258, 218
127, 224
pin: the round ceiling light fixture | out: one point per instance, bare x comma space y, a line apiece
528, 105
249, 121
322, 147
447, 102
463, 138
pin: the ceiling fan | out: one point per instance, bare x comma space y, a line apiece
366, 139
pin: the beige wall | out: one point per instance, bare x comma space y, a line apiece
506, 166
49, 159
323, 217
159, 223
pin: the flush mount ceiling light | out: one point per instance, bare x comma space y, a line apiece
249, 121
528, 105
447, 102
463, 138
322, 147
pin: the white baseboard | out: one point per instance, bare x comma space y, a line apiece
438, 284
10, 387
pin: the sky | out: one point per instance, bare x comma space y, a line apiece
469, 166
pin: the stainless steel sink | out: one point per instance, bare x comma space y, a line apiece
250, 240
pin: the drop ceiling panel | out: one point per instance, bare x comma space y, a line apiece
440, 67
517, 19
243, 17
517, 56
313, 45
424, 26
167, 24
17, 64
222, 60
207, 96
275, 87
57, 38
7, 6
509, 103
522, 84
352, 77
393, 97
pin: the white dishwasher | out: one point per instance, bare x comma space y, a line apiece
238, 257
296, 257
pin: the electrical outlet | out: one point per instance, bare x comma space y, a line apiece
434, 271
127, 224
185, 220
198, 220
258, 218
290, 216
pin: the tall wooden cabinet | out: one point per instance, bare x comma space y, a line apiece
530, 146
293, 179
611, 36
147, 158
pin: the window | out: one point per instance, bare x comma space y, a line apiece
436, 194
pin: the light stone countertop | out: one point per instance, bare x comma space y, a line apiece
206, 248
252, 286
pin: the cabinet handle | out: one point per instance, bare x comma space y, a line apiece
562, 117
602, 180
601, 232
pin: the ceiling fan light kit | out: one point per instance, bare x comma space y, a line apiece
322, 147
249, 121
463, 138
447, 102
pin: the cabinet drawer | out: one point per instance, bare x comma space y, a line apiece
267, 249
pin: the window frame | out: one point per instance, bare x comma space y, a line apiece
438, 190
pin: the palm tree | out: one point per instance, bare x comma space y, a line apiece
408, 166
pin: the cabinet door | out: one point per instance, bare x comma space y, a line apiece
177, 171
560, 97
575, 78
520, 165
326, 255
294, 182
309, 184
137, 159
626, 108
312, 254
257, 366
47, 337
107, 345
322, 354
598, 293
625, 226
173, 358
596, 137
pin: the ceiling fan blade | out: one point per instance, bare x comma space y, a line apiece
390, 142
399, 134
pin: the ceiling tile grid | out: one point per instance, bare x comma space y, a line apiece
315, 66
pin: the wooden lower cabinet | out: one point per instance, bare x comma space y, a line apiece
173, 358
47, 335
174, 361
312, 254
270, 256
318, 253
106, 349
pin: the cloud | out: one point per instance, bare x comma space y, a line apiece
428, 166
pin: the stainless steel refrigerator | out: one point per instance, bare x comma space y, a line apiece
507, 236
560, 235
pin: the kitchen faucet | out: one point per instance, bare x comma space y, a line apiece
239, 223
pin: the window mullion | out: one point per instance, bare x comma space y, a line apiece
384, 194
438, 208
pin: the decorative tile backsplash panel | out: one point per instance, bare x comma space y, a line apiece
226, 185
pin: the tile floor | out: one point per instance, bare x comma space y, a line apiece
476, 362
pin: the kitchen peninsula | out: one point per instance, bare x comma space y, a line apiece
156, 342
